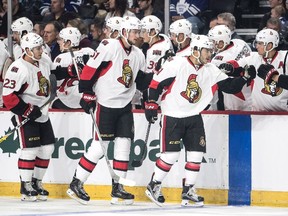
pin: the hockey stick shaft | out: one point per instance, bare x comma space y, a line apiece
112, 173
74, 62
136, 163
53, 87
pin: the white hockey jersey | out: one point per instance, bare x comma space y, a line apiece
235, 51
156, 51
116, 85
32, 81
192, 88
186, 51
68, 91
262, 99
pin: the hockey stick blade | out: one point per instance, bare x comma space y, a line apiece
138, 163
53, 88
111, 171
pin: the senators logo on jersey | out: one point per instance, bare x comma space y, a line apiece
43, 85
127, 75
193, 92
272, 89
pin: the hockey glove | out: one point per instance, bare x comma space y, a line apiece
266, 72
32, 112
72, 70
160, 62
88, 101
151, 111
229, 69
249, 73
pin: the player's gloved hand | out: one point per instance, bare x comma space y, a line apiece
229, 69
249, 73
88, 101
266, 72
169, 53
72, 70
32, 112
151, 108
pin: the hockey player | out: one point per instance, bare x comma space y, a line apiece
265, 96
191, 81
112, 27
68, 93
180, 32
26, 88
111, 75
225, 50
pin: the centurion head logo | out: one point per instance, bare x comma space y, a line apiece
193, 92
127, 75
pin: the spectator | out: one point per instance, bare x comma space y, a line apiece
38, 28
69, 5
146, 7
273, 4
229, 20
189, 9
58, 13
275, 24
118, 8
18, 10
51, 32
83, 28
96, 32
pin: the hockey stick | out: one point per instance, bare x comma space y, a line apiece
136, 163
112, 173
53, 88
74, 62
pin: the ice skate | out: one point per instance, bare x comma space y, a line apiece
77, 192
153, 192
42, 193
120, 196
28, 192
189, 194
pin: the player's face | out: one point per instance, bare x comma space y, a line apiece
109, 33
37, 52
16, 37
205, 55
260, 47
133, 36
145, 35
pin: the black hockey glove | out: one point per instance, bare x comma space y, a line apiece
160, 62
151, 111
72, 70
229, 69
266, 72
249, 73
32, 112
88, 101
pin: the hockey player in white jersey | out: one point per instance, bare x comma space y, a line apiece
112, 27
112, 75
265, 96
180, 32
26, 88
225, 50
68, 93
191, 81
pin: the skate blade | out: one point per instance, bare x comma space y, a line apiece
186, 203
42, 198
149, 195
28, 198
72, 195
119, 201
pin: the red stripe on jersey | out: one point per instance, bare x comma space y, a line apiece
214, 88
10, 100
120, 165
154, 84
87, 73
163, 165
240, 95
42, 163
192, 166
26, 164
86, 164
